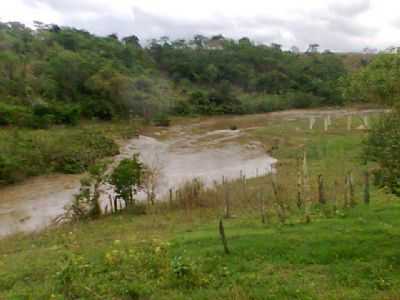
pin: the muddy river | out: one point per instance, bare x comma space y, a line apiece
203, 148
177, 155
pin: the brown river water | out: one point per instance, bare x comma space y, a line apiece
181, 153
35, 203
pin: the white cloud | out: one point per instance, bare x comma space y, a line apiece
334, 24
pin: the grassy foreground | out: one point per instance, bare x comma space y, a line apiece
352, 256
177, 254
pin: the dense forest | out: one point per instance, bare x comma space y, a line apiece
57, 75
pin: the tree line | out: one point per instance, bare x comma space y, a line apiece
58, 75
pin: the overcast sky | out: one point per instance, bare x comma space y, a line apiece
340, 25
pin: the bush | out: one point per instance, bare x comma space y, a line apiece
383, 147
98, 109
40, 116
56, 113
162, 120
303, 100
78, 150
25, 153
15, 115
263, 104
126, 179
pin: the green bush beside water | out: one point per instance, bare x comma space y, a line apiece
26, 153
39, 115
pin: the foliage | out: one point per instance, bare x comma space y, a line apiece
41, 115
258, 69
378, 82
86, 204
383, 147
25, 153
71, 70
126, 179
162, 120
57, 74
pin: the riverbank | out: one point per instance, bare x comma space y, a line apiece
208, 149
174, 252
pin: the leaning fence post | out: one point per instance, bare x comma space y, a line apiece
326, 124
321, 192
366, 188
223, 237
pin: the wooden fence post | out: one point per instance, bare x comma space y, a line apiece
226, 200
279, 204
335, 191
262, 202
351, 190
349, 122
299, 203
346, 191
115, 204
366, 122
111, 204
306, 188
326, 124
223, 237
366, 188
321, 192
244, 189
170, 198
312, 123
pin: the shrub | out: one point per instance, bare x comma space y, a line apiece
25, 153
15, 115
383, 147
233, 127
303, 100
162, 120
40, 116
126, 179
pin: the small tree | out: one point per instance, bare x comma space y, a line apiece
126, 179
86, 204
150, 181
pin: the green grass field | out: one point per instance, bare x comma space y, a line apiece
177, 254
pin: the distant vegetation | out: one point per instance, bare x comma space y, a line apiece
57, 75
378, 82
